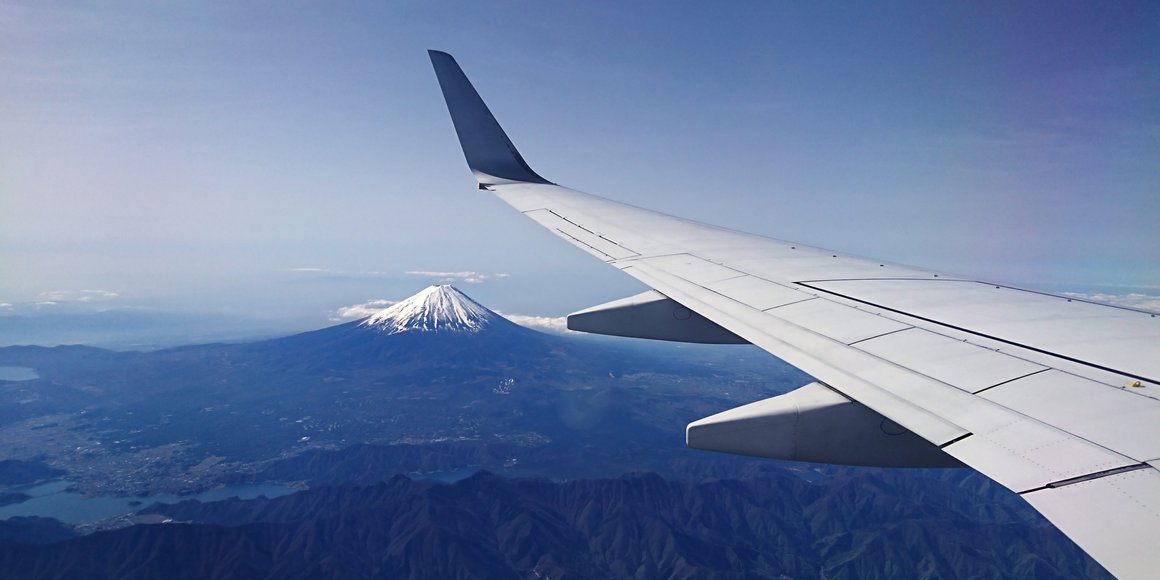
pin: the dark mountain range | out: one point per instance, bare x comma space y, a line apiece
34, 530
636, 526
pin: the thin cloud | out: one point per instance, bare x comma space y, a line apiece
363, 310
1135, 300
467, 277
549, 323
328, 273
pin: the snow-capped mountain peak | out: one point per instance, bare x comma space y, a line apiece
434, 309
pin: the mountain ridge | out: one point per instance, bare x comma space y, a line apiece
635, 525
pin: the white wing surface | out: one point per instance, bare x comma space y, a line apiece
1056, 399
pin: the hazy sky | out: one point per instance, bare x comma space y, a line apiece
289, 159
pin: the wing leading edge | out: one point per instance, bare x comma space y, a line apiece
1054, 398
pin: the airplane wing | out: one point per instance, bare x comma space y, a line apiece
1055, 398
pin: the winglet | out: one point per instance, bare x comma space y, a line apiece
490, 154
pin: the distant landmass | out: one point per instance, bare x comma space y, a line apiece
437, 387
130, 328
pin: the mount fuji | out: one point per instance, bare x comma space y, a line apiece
438, 320
440, 308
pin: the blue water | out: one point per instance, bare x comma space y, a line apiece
18, 374
450, 476
52, 500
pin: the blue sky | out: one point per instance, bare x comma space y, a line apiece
288, 159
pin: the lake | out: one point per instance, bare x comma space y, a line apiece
18, 374
53, 500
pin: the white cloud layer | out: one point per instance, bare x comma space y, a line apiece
467, 277
1136, 300
549, 323
58, 296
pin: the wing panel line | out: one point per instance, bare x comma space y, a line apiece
988, 336
883, 334
1043, 370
